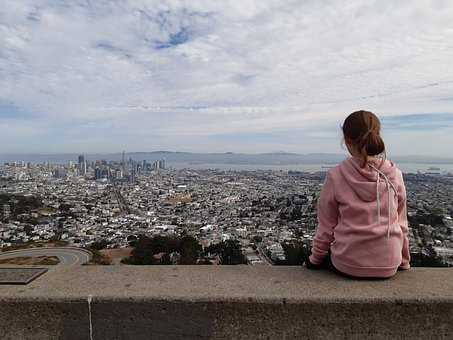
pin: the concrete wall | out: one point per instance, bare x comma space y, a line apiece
214, 302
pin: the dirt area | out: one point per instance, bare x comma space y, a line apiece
179, 198
35, 260
47, 211
117, 254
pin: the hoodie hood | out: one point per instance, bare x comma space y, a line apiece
363, 180
367, 183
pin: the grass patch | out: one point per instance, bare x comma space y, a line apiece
32, 260
35, 244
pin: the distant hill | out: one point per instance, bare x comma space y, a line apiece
272, 158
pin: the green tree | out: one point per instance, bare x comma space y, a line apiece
145, 248
427, 257
190, 249
296, 253
99, 245
257, 239
229, 251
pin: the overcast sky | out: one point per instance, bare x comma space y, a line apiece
242, 75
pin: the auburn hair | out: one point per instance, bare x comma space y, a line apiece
362, 129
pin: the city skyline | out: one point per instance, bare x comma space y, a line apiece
252, 77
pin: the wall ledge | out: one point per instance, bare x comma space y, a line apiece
222, 302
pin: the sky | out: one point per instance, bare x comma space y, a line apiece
223, 76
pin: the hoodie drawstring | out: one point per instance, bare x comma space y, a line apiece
389, 185
377, 199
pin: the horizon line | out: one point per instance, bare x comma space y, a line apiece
207, 153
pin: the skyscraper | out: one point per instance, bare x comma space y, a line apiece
97, 173
82, 165
159, 165
123, 164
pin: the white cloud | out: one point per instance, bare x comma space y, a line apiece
200, 68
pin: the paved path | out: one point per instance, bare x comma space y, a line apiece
68, 256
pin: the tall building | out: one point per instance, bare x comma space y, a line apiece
97, 173
105, 173
82, 165
123, 163
159, 165
132, 176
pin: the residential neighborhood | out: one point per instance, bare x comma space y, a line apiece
116, 202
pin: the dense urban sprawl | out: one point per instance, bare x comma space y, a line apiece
269, 213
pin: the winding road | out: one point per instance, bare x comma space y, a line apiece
68, 256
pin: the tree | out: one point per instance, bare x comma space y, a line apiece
146, 248
229, 251
427, 257
257, 239
296, 253
99, 245
28, 229
142, 253
190, 249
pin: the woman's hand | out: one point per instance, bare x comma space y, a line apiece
310, 265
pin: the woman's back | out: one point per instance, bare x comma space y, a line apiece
362, 218
371, 229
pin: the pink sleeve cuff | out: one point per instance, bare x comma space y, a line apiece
404, 266
314, 260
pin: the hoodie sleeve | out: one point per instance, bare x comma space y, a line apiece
402, 220
327, 220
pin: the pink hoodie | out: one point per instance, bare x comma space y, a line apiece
362, 219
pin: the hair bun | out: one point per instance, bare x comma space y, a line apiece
362, 129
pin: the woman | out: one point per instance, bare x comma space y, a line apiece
362, 221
